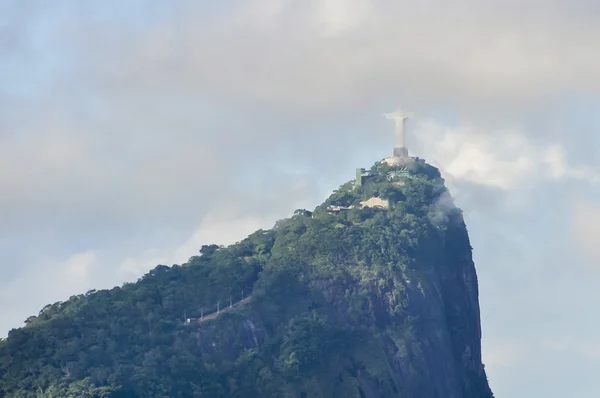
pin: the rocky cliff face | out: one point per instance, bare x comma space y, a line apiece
412, 313
361, 302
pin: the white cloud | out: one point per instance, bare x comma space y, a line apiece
78, 267
477, 55
224, 226
555, 158
45, 283
501, 159
134, 113
585, 229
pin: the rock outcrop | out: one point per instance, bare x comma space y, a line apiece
370, 302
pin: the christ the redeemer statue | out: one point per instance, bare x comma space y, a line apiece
400, 118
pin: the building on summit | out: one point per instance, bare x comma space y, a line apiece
361, 176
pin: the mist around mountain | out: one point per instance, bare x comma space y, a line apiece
378, 299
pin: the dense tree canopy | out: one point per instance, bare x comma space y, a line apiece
329, 294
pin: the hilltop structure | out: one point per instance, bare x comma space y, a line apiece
400, 157
400, 117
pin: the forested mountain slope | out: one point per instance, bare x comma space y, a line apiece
365, 302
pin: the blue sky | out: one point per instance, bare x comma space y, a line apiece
133, 133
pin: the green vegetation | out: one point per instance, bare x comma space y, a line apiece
365, 303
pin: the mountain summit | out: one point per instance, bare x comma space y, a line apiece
372, 294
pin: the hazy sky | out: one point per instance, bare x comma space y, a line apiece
133, 132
